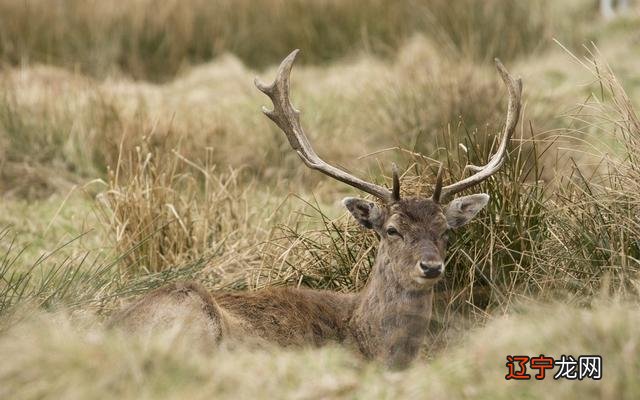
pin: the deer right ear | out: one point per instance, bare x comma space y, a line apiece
462, 210
368, 214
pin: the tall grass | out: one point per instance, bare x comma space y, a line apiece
170, 210
154, 41
595, 241
483, 30
53, 138
433, 98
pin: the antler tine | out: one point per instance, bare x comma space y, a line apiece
288, 120
437, 189
395, 193
514, 87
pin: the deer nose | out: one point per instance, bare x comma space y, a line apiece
431, 269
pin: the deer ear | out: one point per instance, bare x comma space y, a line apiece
462, 210
368, 214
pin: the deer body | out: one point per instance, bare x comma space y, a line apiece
388, 318
383, 321
288, 316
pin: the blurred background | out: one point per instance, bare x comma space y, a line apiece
133, 152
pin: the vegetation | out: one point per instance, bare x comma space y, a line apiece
155, 41
133, 153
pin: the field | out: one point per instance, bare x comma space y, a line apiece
133, 153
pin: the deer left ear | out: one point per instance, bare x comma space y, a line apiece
462, 210
368, 214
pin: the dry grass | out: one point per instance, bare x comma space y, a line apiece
57, 355
164, 210
597, 229
105, 38
80, 124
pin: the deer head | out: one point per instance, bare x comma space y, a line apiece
412, 231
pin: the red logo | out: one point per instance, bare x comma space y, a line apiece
568, 367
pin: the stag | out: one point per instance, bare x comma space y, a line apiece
387, 320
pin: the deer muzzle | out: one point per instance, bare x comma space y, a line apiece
431, 269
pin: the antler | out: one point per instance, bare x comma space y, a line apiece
288, 120
514, 87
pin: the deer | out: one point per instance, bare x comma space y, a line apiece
387, 319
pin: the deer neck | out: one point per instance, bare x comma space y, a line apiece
389, 321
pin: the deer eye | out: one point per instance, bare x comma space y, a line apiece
391, 231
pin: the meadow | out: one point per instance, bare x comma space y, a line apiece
133, 153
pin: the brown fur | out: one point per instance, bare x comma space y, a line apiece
387, 320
